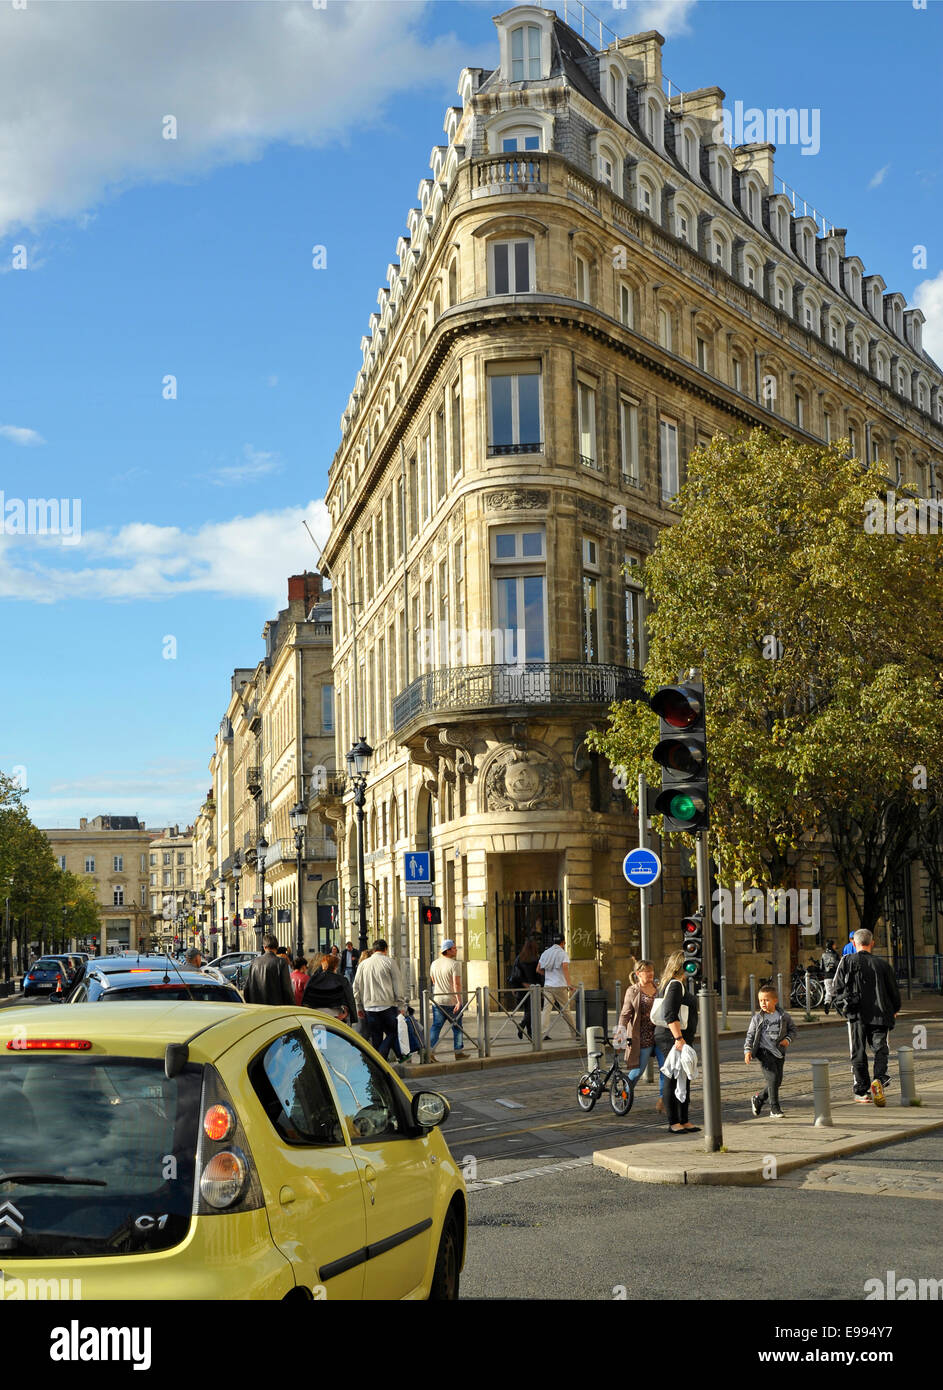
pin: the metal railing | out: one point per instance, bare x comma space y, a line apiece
531, 682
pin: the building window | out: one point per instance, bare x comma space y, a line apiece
627, 305
605, 170
519, 594
857, 353
721, 251
582, 278
61, 862
458, 571
633, 616
118, 863
440, 458
165, 878
809, 316
800, 410
181, 856
668, 457
645, 198
853, 441
737, 366
514, 410
413, 498
327, 709
702, 357
455, 422
181, 877
90, 866
690, 152
586, 400
143, 863
167, 859
511, 266
628, 440
834, 333
590, 615
752, 204
417, 643
828, 428
780, 295
425, 451
525, 53
445, 634
153, 880
749, 268
664, 328
153, 860
118, 898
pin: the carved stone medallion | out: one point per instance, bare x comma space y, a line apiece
522, 780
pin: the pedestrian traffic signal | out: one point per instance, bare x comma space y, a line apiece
692, 945
682, 753
431, 916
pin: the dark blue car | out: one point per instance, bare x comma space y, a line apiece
44, 976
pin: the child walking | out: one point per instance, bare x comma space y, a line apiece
769, 1034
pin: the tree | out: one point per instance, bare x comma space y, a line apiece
821, 646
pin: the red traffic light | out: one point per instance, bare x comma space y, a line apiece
677, 706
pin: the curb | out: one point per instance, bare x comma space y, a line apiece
485, 1063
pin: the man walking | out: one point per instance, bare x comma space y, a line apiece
554, 966
871, 1001
380, 999
349, 958
446, 977
269, 977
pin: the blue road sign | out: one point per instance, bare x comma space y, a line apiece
641, 867
417, 866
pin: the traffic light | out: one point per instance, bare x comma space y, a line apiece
431, 916
692, 944
682, 753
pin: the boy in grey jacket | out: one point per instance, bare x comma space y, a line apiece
769, 1034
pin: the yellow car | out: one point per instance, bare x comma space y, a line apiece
156, 1150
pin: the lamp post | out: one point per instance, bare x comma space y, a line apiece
64, 911
6, 940
236, 876
358, 766
260, 850
221, 924
298, 815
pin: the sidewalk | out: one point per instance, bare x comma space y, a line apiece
507, 1050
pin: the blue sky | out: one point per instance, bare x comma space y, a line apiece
149, 257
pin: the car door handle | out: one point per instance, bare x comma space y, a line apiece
286, 1196
370, 1177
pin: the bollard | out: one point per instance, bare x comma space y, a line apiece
482, 1002
618, 998
723, 1002
594, 1048
580, 1008
536, 1022
808, 996
425, 1020
908, 1081
752, 1000
783, 1003
821, 1094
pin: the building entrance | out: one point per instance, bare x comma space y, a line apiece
519, 914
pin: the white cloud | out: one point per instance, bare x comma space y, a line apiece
87, 88
245, 557
669, 17
879, 177
18, 435
256, 464
928, 296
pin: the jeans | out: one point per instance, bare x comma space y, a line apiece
382, 1026
643, 1059
677, 1109
861, 1036
440, 1014
773, 1076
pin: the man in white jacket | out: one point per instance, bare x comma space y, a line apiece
379, 997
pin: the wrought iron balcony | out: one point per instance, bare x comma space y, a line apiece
500, 450
471, 689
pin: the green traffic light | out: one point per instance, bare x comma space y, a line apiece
691, 967
682, 808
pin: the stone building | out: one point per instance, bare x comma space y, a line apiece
275, 745
171, 886
591, 284
113, 852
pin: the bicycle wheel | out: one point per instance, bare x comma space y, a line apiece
817, 992
587, 1092
621, 1093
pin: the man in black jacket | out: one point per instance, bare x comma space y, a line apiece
269, 977
871, 1000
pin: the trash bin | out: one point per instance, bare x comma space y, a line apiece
595, 1011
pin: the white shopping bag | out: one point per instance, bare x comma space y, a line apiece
402, 1036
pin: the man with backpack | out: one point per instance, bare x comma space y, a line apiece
870, 1001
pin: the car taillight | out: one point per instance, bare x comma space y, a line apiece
31, 976
49, 1045
224, 1177
218, 1123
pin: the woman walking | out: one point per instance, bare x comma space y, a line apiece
636, 1019
526, 963
677, 1027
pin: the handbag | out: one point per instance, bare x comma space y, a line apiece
515, 976
402, 1035
658, 1013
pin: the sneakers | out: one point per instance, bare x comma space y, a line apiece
460, 1056
776, 1115
828, 1005
877, 1093
756, 1105
863, 1100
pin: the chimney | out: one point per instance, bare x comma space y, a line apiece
305, 591
83, 823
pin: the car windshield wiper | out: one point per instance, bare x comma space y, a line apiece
61, 1179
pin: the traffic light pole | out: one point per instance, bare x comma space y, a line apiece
643, 844
707, 1008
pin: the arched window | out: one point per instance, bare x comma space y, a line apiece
616, 100
646, 197
664, 328
721, 251
781, 294
525, 53
453, 282
685, 224
436, 306
836, 337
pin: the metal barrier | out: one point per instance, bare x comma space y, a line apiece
821, 1094
427, 1016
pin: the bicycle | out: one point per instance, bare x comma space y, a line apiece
592, 1084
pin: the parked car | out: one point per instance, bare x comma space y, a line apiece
231, 962
45, 975
235, 1152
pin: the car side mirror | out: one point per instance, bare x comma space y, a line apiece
429, 1109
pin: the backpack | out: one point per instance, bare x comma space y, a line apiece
860, 993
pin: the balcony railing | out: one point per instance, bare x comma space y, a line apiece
469, 688
512, 172
327, 788
498, 450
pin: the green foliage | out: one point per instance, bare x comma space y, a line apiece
770, 548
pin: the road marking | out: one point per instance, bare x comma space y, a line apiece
482, 1184
511, 1104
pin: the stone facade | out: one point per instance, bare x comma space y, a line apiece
113, 852
592, 285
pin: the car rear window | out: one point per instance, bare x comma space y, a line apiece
213, 993
96, 1154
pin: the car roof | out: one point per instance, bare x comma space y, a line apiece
131, 974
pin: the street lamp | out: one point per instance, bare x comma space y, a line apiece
358, 767
236, 876
298, 815
260, 851
222, 915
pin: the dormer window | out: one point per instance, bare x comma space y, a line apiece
615, 92
525, 53
721, 251
690, 152
752, 204
645, 197
807, 247
781, 224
